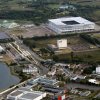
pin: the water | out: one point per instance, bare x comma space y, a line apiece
6, 79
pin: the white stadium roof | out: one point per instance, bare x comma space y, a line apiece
79, 20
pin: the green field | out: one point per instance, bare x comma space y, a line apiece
96, 35
89, 56
72, 40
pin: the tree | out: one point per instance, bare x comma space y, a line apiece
72, 56
55, 58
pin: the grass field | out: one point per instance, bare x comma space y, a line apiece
91, 56
96, 35
72, 40
96, 15
54, 5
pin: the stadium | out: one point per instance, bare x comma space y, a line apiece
70, 25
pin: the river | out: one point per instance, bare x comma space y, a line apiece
6, 79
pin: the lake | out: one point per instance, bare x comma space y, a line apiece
6, 79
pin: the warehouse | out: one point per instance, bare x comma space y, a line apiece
70, 25
25, 94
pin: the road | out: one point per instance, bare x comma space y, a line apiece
82, 86
78, 85
35, 58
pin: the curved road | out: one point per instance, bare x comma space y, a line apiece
82, 86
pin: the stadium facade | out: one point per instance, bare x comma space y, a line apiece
71, 25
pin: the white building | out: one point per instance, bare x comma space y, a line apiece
70, 25
68, 7
62, 44
30, 70
94, 81
1, 49
98, 70
25, 94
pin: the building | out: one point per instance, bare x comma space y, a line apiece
70, 25
62, 44
4, 36
61, 97
30, 70
25, 94
98, 70
1, 49
67, 7
43, 80
52, 47
94, 81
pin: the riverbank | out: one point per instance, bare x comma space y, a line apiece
12, 70
6, 77
9, 62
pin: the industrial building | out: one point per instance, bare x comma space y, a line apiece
25, 94
70, 25
42, 80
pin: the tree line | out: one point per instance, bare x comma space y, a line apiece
37, 15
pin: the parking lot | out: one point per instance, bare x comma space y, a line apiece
28, 32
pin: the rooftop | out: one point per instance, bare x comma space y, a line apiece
4, 36
70, 21
24, 93
30, 96
16, 93
42, 80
